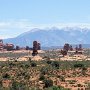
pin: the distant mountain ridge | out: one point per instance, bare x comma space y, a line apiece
52, 36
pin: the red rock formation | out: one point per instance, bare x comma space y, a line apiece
9, 47
1, 44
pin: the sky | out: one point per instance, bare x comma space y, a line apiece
18, 16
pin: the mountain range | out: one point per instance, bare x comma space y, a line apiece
52, 36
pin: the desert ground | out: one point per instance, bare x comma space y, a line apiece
48, 70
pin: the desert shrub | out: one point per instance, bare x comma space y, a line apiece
18, 86
21, 65
44, 70
0, 84
26, 76
62, 78
42, 77
29, 59
48, 83
23, 73
55, 64
88, 88
79, 89
33, 64
49, 62
53, 88
57, 88
12, 64
84, 68
26, 66
79, 85
6, 76
46, 57
78, 65
72, 81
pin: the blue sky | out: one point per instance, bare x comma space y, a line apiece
18, 16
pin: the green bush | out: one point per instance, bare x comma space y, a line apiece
26, 66
78, 65
49, 62
6, 76
48, 83
57, 88
33, 64
44, 70
18, 86
55, 64
62, 78
42, 77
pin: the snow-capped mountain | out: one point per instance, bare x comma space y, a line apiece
52, 36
